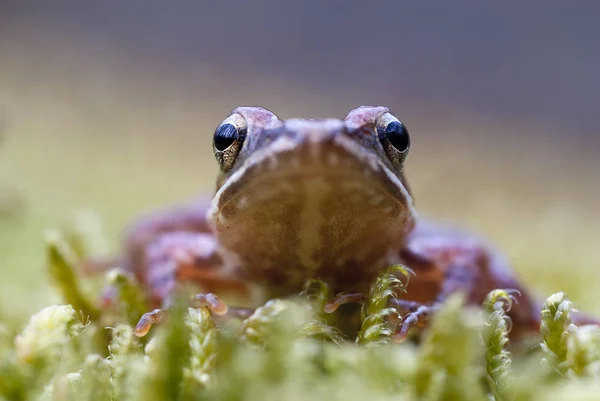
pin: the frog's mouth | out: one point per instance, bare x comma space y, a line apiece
287, 162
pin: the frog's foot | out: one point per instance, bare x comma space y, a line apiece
344, 298
220, 308
148, 320
417, 315
209, 300
169, 260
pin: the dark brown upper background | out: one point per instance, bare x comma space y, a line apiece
538, 61
112, 104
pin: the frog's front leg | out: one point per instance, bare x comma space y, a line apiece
187, 257
462, 275
446, 265
173, 246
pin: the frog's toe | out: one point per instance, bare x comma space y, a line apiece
342, 299
417, 317
148, 320
212, 302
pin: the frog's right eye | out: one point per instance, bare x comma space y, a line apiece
228, 140
225, 136
394, 138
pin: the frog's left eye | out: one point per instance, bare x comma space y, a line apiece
228, 140
225, 136
394, 138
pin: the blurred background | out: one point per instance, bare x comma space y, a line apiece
112, 105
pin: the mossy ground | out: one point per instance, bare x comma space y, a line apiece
76, 350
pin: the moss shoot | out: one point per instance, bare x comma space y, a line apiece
287, 349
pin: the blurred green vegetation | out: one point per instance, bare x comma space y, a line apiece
285, 349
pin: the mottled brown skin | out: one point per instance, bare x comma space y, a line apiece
301, 199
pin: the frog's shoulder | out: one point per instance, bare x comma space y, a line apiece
447, 234
429, 227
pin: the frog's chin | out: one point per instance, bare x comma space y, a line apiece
310, 212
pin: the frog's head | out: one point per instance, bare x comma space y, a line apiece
315, 194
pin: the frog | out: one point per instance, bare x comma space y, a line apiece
314, 199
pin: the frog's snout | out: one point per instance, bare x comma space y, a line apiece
314, 131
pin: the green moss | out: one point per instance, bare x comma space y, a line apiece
287, 349
450, 358
377, 318
61, 262
129, 300
495, 339
556, 328
583, 351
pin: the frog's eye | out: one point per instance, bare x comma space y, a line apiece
225, 136
228, 140
397, 134
394, 138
